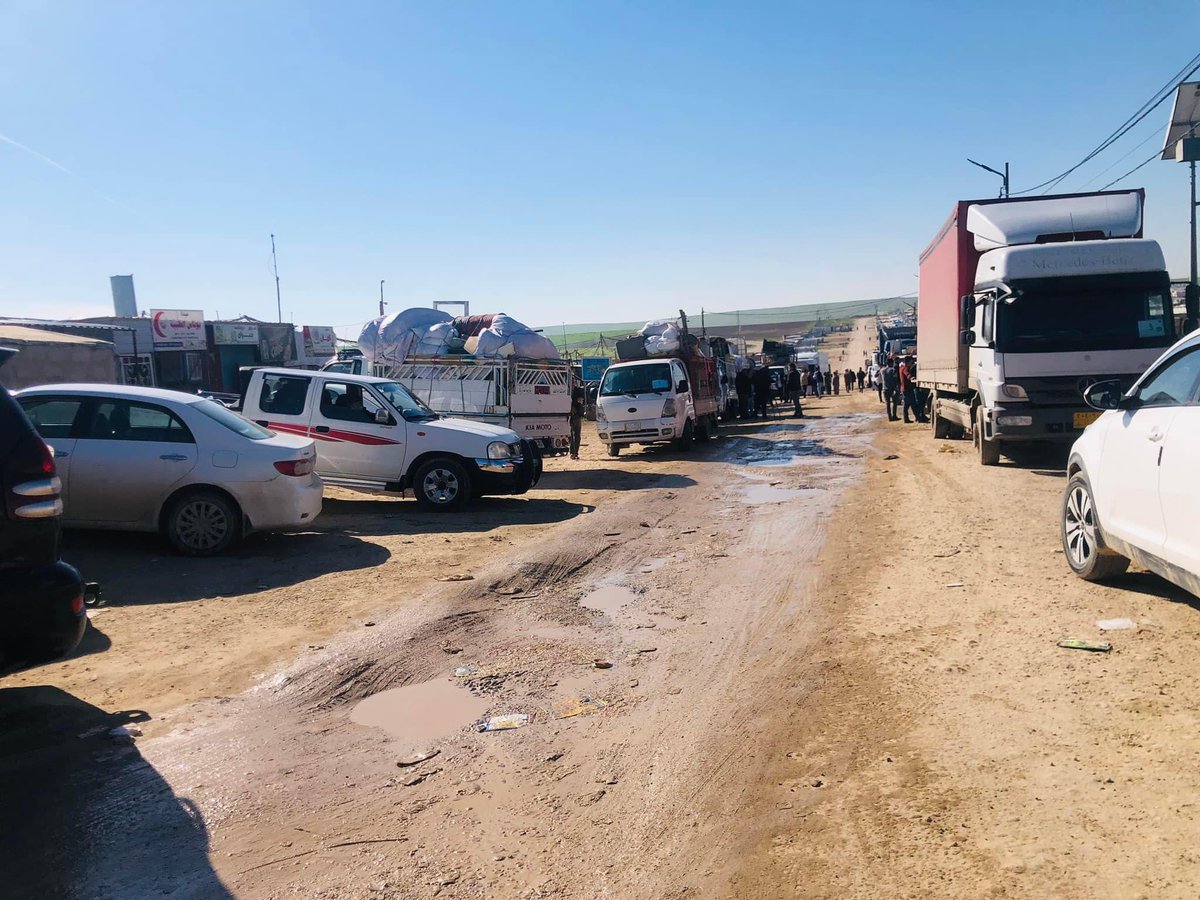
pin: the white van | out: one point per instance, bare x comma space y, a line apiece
372, 433
658, 400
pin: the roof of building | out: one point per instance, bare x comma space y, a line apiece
21, 335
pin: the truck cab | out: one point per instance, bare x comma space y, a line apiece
372, 434
657, 401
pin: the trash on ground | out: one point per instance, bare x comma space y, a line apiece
506, 722
955, 584
1115, 624
948, 553
582, 705
457, 578
645, 524
417, 758
368, 624
602, 663
451, 648
611, 533
647, 650
891, 456
465, 671
1077, 644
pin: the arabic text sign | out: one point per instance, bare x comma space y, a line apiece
226, 333
178, 329
319, 340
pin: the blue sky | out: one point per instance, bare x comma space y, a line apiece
561, 161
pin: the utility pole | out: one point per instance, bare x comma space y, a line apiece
381, 303
1003, 175
1181, 145
275, 266
703, 330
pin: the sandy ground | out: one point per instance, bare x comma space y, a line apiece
795, 700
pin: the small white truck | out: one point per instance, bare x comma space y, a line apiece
373, 434
530, 396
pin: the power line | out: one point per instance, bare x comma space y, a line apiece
1124, 156
1144, 110
1156, 155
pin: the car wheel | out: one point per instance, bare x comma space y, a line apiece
614, 449
1082, 542
203, 523
684, 441
442, 484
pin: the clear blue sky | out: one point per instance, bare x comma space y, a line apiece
556, 160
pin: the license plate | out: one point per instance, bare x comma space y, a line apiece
1084, 419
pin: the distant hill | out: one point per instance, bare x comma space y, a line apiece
753, 324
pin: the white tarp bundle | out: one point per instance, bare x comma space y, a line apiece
661, 338
430, 332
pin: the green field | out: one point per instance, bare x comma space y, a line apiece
773, 322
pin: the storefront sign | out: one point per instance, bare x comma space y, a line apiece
178, 329
235, 333
319, 340
594, 367
276, 343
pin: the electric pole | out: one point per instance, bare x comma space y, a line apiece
1003, 175
275, 266
381, 303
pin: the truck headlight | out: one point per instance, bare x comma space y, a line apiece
1014, 392
499, 450
600, 416
669, 408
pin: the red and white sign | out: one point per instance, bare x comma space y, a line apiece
178, 329
319, 340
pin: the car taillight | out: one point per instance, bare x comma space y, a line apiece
295, 467
47, 460
35, 492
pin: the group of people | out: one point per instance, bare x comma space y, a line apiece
753, 386
896, 382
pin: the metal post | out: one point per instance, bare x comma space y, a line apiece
1006, 179
381, 303
275, 266
1191, 296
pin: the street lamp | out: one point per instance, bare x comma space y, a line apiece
1182, 145
1004, 174
381, 303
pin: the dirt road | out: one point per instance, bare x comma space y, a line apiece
824, 672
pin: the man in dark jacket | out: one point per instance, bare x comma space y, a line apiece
578, 405
761, 379
795, 390
891, 389
741, 384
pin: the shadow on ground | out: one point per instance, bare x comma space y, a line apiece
612, 480
86, 815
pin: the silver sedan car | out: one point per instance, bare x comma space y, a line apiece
144, 459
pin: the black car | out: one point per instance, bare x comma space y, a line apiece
42, 609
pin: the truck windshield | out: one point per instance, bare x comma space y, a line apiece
412, 409
1103, 312
652, 379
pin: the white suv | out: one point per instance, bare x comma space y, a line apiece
1133, 492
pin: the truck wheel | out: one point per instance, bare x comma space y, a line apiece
684, 442
202, 523
941, 428
442, 484
1082, 543
614, 449
989, 451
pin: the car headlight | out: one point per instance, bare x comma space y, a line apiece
600, 416
499, 450
1014, 392
668, 408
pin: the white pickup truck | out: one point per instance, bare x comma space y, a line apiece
371, 433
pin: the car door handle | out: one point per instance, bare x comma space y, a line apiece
322, 429
177, 457
1155, 434
61, 454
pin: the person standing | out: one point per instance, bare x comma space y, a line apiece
761, 380
578, 403
876, 375
828, 381
862, 379
795, 390
741, 384
908, 390
890, 389
849, 379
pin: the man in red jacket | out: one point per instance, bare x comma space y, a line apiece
908, 389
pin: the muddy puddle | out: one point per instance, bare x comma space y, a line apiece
419, 715
757, 494
608, 598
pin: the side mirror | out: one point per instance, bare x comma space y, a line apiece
382, 417
681, 388
1104, 395
967, 338
967, 310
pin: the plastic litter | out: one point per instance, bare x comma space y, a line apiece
602, 664
1077, 644
1115, 624
465, 671
578, 706
506, 722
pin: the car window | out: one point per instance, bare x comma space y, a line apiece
128, 420
348, 402
53, 417
680, 375
232, 420
283, 395
1174, 383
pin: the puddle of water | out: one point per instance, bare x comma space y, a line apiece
608, 599
420, 714
764, 493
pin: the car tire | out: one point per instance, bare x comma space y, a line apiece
988, 451
442, 484
684, 442
614, 449
1082, 540
202, 523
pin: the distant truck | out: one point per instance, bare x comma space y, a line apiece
898, 340
372, 434
673, 398
1024, 303
530, 396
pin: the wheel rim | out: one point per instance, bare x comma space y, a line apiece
441, 486
1079, 526
201, 525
